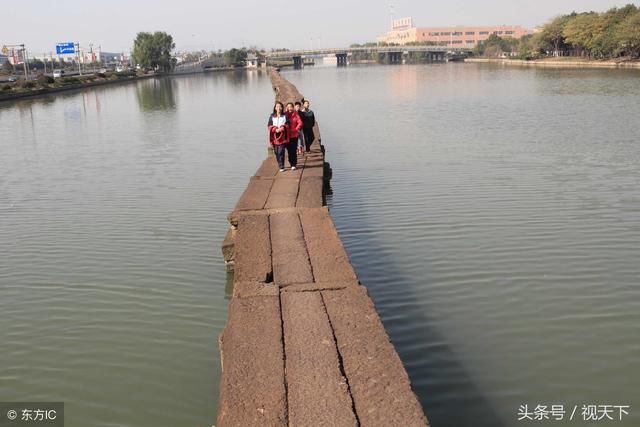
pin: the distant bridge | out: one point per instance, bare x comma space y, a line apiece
395, 53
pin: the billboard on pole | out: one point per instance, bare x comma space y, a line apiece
65, 48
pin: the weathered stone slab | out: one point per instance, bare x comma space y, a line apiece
310, 194
328, 257
379, 384
268, 168
228, 245
318, 394
255, 195
314, 165
283, 193
252, 388
290, 257
253, 249
315, 287
254, 289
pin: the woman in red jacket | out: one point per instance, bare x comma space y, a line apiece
295, 124
278, 126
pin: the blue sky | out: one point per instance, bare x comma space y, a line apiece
113, 24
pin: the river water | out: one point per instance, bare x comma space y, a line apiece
493, 213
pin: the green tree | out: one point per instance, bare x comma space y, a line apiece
629, 35
584, 32
153, 50
609, 44
235, 57
553, 34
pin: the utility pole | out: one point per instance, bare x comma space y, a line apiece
78, 58
24, 62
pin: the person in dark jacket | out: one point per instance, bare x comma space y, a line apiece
295, 126
278, 126
308, 122
297, 106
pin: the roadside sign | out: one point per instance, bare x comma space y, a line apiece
65, 48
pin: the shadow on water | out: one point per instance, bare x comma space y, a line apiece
447, 392
156, 95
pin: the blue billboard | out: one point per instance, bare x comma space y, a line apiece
65, 48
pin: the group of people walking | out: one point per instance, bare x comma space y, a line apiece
291, 131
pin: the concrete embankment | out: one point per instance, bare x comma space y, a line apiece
557, 63
303, 344
78, 86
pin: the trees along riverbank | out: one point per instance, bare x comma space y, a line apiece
614, 34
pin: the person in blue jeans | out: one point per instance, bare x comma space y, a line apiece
278, 126
297, 107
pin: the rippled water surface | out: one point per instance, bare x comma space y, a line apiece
493, 213
113, 206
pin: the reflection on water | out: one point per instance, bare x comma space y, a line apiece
493, 216
492, 212
156, 94
112, 286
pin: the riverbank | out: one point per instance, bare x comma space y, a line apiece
38, 92
33, 93
558, 63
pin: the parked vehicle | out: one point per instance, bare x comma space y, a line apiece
58, 73
12, 79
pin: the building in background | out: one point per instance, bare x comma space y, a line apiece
15, 56
403, 32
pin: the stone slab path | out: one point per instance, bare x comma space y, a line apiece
303, 344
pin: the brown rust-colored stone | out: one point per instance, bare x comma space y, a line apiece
314, 165
290, 257
268, 168
328, 257
254, 289
314, 287
379, 384
283, 193
310, 194
253, 249
255, 195
252, 388
317, 392
228, 245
